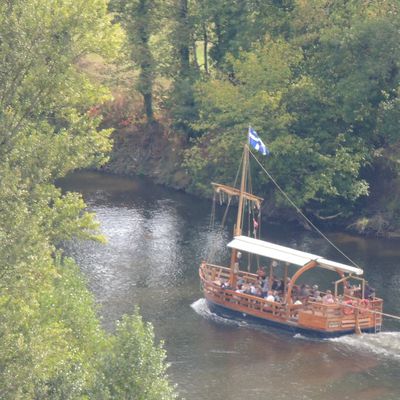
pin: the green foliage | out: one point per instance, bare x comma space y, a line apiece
133, 367
319, 99
139, 19
228, 106
51, 337
236, 25
324, 74
310, 176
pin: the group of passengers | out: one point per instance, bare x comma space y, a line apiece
273, 289
306, 293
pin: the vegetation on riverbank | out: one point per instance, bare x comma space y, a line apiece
318, 80
52, 342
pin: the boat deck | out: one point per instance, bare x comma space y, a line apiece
349, 314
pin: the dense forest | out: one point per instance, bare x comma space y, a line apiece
179, 82
318, 80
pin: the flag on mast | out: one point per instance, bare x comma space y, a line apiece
257, 143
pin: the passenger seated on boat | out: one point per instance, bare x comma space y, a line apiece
353, 291
277, 298
252, 289
357, 291
246, 288
255, 290
369, 292
260, 281
295, 291
314, 290
225, 285
239, 288
277, 284
236, 265
297, 302
315, 294
318, 298
270, 296
328, 298
305, 290
261, 272
265, 287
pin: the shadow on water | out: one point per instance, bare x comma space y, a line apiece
156, 238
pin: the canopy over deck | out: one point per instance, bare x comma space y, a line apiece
282, 253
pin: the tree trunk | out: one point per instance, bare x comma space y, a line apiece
147, 62
205, 48
185, 38
148, 106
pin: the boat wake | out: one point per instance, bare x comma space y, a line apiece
386, 344
201, 308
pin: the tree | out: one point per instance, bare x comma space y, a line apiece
51, 336
45, 132
132, 357
139, 18
231, 27
319, 95
352, 56
310, 170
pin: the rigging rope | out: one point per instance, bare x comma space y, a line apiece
302, 214
212, 217
213, 249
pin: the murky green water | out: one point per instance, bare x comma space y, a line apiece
156, 238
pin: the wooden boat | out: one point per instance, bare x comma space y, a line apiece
349, 307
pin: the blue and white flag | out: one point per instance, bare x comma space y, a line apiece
256, 142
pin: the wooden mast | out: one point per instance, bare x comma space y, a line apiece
242, 195
243, 183
238, 227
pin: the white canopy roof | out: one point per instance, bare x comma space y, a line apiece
282, 253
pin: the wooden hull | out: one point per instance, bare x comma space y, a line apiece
310, 319
291, 328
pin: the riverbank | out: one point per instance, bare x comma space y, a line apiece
158, 154
157, 151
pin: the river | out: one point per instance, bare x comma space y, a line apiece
156, 239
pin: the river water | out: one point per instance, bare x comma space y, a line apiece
156, 239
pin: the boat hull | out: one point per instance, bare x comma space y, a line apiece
226, 312
311, 318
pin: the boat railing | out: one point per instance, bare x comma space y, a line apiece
345, 307
216, 272
243, 300
345, 311
247, 301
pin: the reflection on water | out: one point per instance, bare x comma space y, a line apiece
156, 238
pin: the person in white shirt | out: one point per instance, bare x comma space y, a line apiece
270, 296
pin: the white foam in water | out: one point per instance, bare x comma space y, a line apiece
386, 344
300, 336
201, 308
